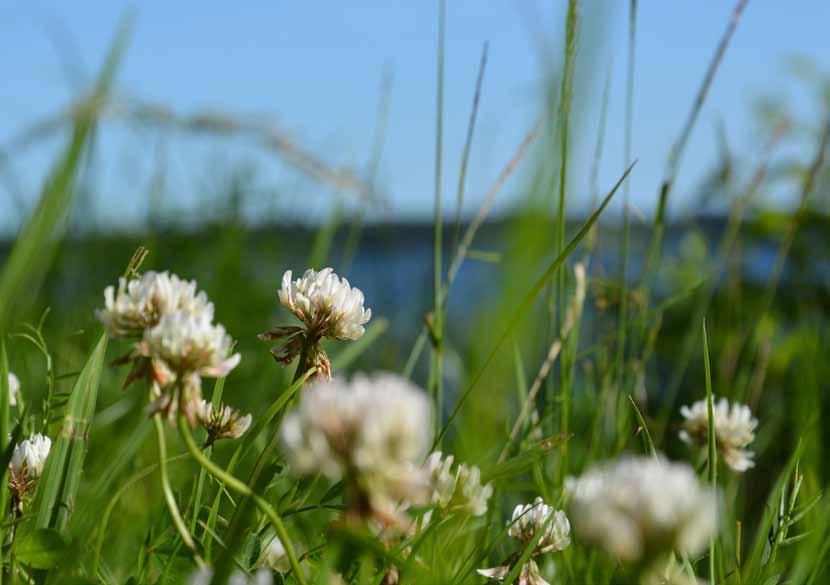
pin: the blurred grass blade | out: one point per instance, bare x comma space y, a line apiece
354, 350
529, 299
62, 474
37, 241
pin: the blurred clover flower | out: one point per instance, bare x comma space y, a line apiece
640, 509
526, 522
272, 554
204, 576
373, 433
734, 430
328, 307
222, 421
459, 491
177, 341
14, 389
26, 466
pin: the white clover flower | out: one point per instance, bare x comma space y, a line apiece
529, 575
526, 522
373, 431
192, 343
327, 305
529, 519
29, 456
222, 421
183, 347
139, 304
14, 389
272, 554
734, 430
461, 490
641, 508
205, 575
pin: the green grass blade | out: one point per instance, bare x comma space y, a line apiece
526, 304
61, 478
713, 451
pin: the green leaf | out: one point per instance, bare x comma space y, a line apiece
42, 548
62, 474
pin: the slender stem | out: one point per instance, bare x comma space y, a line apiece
169, 498
239, 486
713, 453
558, 297
437, 313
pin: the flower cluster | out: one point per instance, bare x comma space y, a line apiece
222, 421
525, 525
328, 307
178, 342
139, 304
332, 433
26, 466
461, 490
734, 430
641, 509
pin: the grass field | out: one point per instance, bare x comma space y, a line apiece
552, 358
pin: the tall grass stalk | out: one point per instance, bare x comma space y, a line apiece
565, 98
527, 302
437, 324
622, 325
712, 444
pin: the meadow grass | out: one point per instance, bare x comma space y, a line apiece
125, 499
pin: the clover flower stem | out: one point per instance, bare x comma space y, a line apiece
169, 498
239, 486
302, 363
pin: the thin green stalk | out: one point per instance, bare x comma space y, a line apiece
169, 497
565, 97
713, 452
437, 326
243, 488
461, 252
247, 441
465, 155
622, 325
647, 441
528, 301
102, 531
679, 147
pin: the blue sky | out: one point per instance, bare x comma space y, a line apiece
316, 68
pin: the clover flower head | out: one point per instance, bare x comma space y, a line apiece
641, 508
204, 576
192, 343
529, 575
139, 304
526, 522
529, 519
14, 389
222, 421
326, 304
30, 455
734, 430
461, 490
372, 431
182, 348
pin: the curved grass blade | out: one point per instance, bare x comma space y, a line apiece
526, 304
